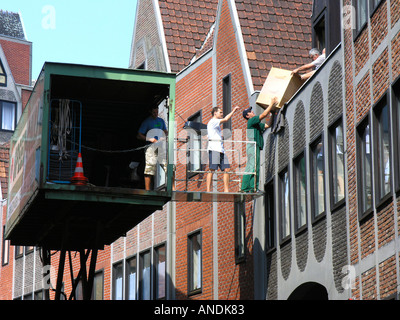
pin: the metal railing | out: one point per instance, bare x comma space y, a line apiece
192, 157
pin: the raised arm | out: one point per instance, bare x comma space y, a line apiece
271, 107
229, 115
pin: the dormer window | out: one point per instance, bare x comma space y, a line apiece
3, 75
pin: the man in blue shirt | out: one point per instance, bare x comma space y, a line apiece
152, 130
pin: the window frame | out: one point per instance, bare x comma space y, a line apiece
381, 196
156, 278
190, 173
190, 289
14, 125
114, 277
373, 7
227, 104
284, 216
270, 216
141, 285
359, 28
360, 129
97, 274
240, 231
126, 274
332, 147
296, 190
314, 215
5, 250
322, 18
395, 90
19, 252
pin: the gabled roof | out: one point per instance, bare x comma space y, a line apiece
11, 25
275, 33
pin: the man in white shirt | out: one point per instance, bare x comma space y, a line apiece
318, 60
216, 153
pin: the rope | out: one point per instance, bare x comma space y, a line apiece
110, 151
62, 127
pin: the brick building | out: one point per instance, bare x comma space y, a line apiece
212, 46
15, 89
327, 225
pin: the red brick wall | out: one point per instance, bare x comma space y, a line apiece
193, 93
235, 281
387, 274
19, 59
379, 28
6, 271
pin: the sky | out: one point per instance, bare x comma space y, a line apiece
93, 32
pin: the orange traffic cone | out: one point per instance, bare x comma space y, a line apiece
79, 179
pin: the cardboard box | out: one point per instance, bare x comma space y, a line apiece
281, 84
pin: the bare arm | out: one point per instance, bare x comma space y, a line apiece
226, 119
305, 67
142, 137
274, 102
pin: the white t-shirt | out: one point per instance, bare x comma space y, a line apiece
319, 61
215, 135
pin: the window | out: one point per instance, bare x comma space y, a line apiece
240, 230
160, 265
145, 276
336, 155
270, 216
396, 131
361, 7
6, 250
284, 204
131, 278
300, 191
117, 279
19, 251
317, 178
97, 289
3, 75
382, 149
8, 115
38, 295
227, 103
364, 167
29, 249
194, 263
98, 286
319, 34
373, 4
194, 144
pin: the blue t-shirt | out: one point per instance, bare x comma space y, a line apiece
151, 123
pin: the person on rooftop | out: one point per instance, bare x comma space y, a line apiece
317, 60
